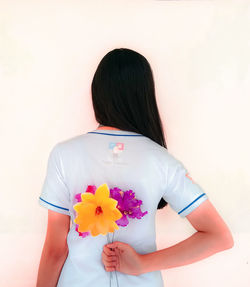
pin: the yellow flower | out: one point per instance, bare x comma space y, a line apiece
97, 212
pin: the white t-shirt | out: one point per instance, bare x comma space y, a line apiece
126, 160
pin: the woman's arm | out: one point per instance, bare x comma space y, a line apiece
50, 268
55, 249
196, 247
212, 236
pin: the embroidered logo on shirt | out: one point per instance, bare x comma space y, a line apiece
116, 147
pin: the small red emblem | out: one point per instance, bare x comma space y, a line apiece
187, 175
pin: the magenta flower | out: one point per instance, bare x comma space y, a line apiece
90, 188
83, 234
78, 197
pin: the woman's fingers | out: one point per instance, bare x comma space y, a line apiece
108, 251
109, 269
109, 265
109, 259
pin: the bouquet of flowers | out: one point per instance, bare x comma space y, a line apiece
100, 210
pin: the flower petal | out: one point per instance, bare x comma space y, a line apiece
109, 203
123, 221
84, 207
87, 196
117, 214
101, 193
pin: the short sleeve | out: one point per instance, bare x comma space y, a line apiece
182, 193
55, 193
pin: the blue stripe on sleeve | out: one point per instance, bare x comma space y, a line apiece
191, 203
54, 204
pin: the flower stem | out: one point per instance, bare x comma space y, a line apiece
115, 270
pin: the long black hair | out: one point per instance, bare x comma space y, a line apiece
123, 96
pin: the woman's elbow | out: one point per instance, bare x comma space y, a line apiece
57, 252
226, 240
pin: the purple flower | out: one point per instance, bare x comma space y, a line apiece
127, 204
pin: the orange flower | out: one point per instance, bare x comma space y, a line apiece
97, 212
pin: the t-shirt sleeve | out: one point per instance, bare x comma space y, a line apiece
55, 193
182, 193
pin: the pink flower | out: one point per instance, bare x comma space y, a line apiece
78, 197
83, 234
91, 188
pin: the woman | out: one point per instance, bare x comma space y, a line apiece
128, 151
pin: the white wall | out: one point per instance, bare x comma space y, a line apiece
199, 53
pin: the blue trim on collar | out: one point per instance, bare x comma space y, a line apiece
191, 203
54, 204
114, 134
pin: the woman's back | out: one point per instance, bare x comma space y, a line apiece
122, 159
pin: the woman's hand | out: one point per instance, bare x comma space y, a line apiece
122, 257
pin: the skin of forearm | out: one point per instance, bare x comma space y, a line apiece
50, 268
196, 247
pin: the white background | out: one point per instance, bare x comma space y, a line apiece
200, 55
